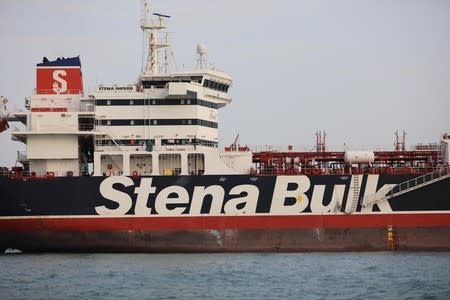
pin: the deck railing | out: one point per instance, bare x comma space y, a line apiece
407, 186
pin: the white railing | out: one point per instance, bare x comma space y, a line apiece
312, 148
407, 186
336, 148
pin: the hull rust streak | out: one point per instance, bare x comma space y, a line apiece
228, 234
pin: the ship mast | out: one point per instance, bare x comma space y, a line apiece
152, 64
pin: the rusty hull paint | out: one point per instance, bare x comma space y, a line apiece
230, 240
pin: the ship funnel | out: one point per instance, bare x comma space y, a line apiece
61, 76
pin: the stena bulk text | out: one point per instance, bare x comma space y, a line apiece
290, 195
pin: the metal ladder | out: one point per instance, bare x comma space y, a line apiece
355, 193
405, 187
115, 140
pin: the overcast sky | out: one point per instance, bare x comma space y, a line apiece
357, 69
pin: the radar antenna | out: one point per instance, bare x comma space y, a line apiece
161, 15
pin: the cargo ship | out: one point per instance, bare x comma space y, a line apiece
137, 168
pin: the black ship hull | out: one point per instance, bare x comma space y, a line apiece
230, 213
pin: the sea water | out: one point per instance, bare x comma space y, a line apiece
362, 275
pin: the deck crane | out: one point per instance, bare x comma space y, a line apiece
234, 146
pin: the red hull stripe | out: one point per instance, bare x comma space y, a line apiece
223, 222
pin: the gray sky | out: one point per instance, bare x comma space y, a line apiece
356, 69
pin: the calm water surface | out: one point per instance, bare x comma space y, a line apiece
226, 276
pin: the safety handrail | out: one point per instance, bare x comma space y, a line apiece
406, 186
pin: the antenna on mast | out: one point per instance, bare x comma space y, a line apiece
152, 66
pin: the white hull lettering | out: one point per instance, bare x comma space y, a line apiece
249, 201
217, 195
173, 196
282, 192
289, 197
318, 197
371, 188
122, 199
143, 192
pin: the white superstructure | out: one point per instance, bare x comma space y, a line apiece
165, 124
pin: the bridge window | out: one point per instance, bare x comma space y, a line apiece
215, 85
141, 102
